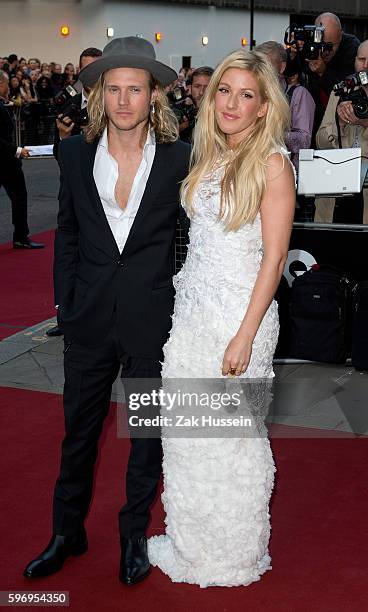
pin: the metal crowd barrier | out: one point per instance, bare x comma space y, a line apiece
35, 123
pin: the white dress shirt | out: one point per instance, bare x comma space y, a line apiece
84, 100
106, 172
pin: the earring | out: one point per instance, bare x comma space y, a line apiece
153, 109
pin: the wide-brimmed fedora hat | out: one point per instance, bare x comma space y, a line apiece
128, 52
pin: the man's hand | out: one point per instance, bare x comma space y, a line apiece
65, 126
293, 52
184, 124
317, 65
346, 115
24, 153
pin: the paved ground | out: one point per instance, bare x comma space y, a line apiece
42, 179
318, 396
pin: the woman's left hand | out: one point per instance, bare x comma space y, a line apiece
237, 356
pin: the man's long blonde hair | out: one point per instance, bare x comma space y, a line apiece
244, 181
163, 120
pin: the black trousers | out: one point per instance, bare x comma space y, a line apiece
89, 375
12, 179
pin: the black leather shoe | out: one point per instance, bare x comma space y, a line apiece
27, 244
54, 331
134, 564
51, 560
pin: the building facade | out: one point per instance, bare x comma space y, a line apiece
32, 27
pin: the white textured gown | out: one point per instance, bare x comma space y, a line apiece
216, 490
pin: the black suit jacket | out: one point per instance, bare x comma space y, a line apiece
7, 146
94, 283
342, 64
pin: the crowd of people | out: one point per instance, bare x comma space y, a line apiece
317, 114
33, 81
35, 88
114, 290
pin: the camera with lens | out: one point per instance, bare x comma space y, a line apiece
177, 95
307, 40
349, 90
178, 99
64, 104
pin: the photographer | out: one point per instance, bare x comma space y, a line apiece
187, 109
70, 126
341, 117
332, 65
337, 62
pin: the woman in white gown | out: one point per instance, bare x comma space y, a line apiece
240, 195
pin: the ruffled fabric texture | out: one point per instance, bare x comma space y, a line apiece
217, 490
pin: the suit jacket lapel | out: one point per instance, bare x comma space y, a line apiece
106, 240
152, 187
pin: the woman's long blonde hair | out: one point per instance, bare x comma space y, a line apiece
244, 181
163, 120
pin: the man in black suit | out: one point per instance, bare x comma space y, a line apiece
114, 260
11, 173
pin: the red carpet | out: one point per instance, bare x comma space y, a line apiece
26, 296
319, 517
